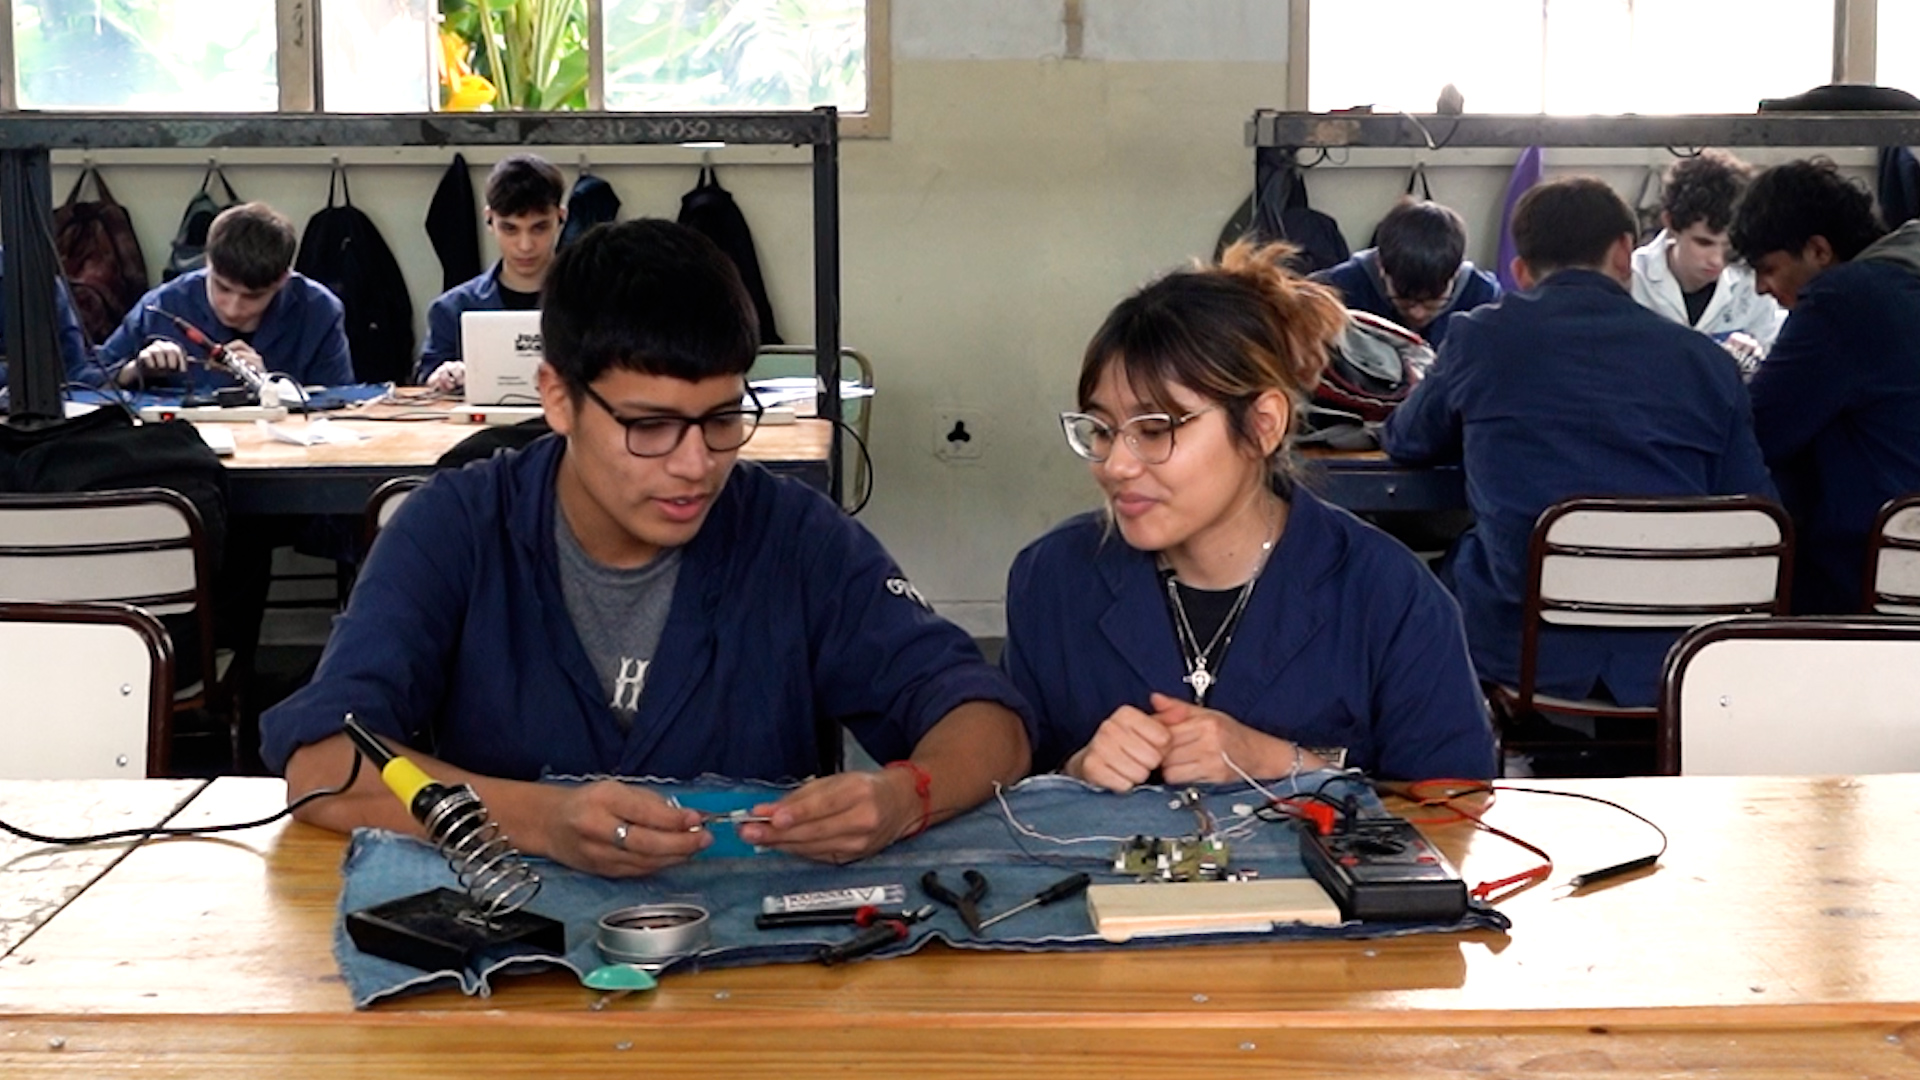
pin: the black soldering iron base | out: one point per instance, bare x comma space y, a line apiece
441, 931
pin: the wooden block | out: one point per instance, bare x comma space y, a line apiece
1156, 909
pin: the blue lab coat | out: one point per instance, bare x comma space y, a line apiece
302, 334
457, 640
481, 293
1346, 641
1571, 389
74, 353
1837, 408
1359, 281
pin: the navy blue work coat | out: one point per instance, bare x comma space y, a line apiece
457, 640
482, 293
302, 334
1836, 405
1571, 389
1347, 641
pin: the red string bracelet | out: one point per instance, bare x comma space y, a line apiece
922, 786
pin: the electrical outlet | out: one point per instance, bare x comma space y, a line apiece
959, 435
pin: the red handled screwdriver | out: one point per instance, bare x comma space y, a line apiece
1059, 890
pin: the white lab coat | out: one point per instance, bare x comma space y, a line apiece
1735, 305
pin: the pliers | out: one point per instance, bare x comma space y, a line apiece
968, 904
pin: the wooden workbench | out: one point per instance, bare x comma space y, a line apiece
1779, 939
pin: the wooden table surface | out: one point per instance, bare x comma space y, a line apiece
420, 442
1779, 938
36, 880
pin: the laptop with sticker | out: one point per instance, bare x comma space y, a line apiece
502, 354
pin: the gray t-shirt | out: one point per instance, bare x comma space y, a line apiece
617, 613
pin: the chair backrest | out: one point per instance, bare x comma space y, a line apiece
1803, 696
1653, 562
89, 692
1893, 560
385, 502
792, 361
139, 546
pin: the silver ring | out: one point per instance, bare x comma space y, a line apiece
620, 836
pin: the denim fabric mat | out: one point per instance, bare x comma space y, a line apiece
382, 866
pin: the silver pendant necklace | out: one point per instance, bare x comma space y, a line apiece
1199, 676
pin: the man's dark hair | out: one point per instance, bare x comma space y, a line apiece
650, 296
1703, 187
524, 184
251, 245
1790, 204
1570, 222
1421, 245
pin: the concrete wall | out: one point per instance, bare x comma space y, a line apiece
1022, 192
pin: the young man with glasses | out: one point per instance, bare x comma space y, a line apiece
1418, 274
624, 597
1216, 620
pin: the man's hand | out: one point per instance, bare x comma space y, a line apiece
839, 818
448, 377
240, 354
584, 831
160, 356
1203, 740
1124, 752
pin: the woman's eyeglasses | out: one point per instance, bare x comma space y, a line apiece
657, 436
1148, 436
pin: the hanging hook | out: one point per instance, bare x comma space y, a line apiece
586, 167
706, 159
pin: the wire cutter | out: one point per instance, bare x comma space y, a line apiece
968, 904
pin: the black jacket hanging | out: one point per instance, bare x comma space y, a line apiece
710, 209
592, 202
453, 225
342, 250
1281, 212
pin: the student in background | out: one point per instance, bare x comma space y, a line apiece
1570, 388
624, 597
1418, 276
247, 298
1683, 272
525, 215
1214, 617
1836, 404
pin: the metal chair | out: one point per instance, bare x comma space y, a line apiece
1893, 560
89, 691
1635, 563
140, 546
1801, 696
385, 502
776, 361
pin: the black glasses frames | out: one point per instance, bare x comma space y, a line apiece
658, 436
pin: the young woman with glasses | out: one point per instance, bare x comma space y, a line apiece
1215, 618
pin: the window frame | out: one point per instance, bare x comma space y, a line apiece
297, 27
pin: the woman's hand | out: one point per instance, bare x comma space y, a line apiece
1125, 750
1202, 740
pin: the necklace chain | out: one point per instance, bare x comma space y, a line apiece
1198, 676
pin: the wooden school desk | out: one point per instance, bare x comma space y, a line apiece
1779, 938
267, 476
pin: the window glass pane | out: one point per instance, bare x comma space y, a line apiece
155, 55
736, 54
1897, 53
1723, 56
1396, 54
512, 54
1571, 56
373, 56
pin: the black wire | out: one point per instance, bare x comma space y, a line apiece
866, 459
1593, 799
196, 830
